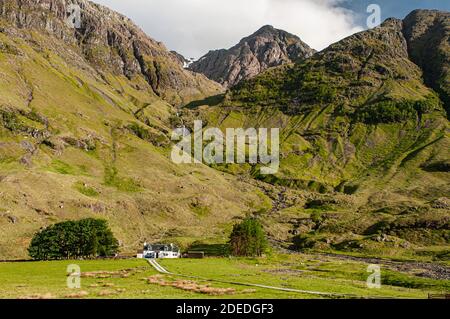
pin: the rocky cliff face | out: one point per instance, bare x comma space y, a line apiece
84, 113
268, 47
362, 118
387, 63
184, 62
112, 43
428, 36
80, 116
355, 72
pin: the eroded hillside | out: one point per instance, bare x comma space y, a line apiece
85, 128
86, 116
362, 125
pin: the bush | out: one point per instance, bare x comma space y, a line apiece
86, 238
301, 242
428, 105
386, 112
10, 121
248, 239
389, 111
159, 140
139, 131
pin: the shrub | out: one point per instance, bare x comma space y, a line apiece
389, 111
10, 121
301, 242
248, 239
325, 93
139, 131
386, 112
86, 238
159, 140
428, 105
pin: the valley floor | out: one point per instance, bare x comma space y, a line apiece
133, 278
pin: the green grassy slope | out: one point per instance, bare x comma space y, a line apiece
360, 126
111, 43
365, 145
76, 142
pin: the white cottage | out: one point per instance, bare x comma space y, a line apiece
153, 251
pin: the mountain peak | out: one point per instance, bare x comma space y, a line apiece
270, 31
427, 33
373, 66
266, 28
266, 48
426, 12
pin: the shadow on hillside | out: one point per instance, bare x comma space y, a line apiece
209, 101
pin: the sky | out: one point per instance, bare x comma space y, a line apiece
393, 8
194, 27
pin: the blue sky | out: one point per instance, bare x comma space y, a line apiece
193, 27
394, 8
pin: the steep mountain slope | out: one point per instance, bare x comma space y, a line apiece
112, 43
267, 47
431, 29
360, 125
185, 62
84, 135
85, 120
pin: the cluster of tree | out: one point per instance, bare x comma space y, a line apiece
267, 88
389, 111
146, 135
386, 112
248, 239
86, 238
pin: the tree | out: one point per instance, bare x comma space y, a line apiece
248, 238
85, 238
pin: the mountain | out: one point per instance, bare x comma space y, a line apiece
86, 117
362, 122
85, 122
111, 43
266, 48
185, 62
425, 29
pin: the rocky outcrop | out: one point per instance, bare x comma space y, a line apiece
336, 106
184, 62
268, 47
111, 43
78, 113
357, 71
428, 35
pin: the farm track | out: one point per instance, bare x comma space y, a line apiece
162, 270
158, 267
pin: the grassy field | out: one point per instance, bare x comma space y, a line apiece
136, 279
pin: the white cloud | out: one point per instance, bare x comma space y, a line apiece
193, 27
